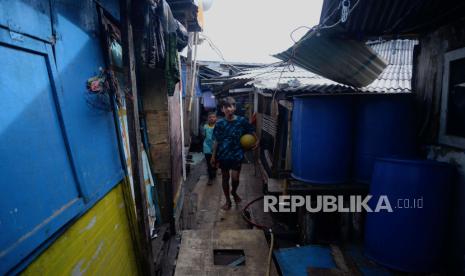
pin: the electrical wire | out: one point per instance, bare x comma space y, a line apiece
272, 69
331, 15
296, 29
218, 52
314, 30
272, 65
239, 71
317, 26
279, 79
213, 47
340, 19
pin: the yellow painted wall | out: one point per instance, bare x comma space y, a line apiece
99, 243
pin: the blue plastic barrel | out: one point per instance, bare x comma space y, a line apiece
322, 136
410, 238
384, 128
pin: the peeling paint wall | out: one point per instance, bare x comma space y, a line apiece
99, 243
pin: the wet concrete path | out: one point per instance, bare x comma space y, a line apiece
208, 227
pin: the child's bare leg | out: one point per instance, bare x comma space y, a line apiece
235, 184
225, 183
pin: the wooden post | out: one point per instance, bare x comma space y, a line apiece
181, 110
193, 72
126, 7
189, 87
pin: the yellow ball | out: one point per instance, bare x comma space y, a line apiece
248, 141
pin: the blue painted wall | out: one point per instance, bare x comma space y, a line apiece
58, 154
27, 16
91, 130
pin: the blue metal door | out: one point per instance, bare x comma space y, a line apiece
92, 133
58, 155
39, 190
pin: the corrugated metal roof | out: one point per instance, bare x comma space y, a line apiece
333, 49
345, 61
395, 78
374, 18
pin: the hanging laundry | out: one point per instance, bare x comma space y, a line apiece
153, 46
172, 73
182, 36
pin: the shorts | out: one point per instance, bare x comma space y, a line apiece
234, 165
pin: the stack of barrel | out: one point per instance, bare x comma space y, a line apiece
370, 139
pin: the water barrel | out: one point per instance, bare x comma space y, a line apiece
410, 238
384, 128
322, 136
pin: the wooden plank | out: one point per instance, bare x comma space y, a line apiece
127, 12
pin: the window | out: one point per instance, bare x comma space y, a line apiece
452, 131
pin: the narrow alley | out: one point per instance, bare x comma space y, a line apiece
220, 137
211, 228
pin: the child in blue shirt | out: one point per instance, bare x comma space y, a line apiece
227, 149
207, 132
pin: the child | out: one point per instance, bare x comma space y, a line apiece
208, 145
227, 150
